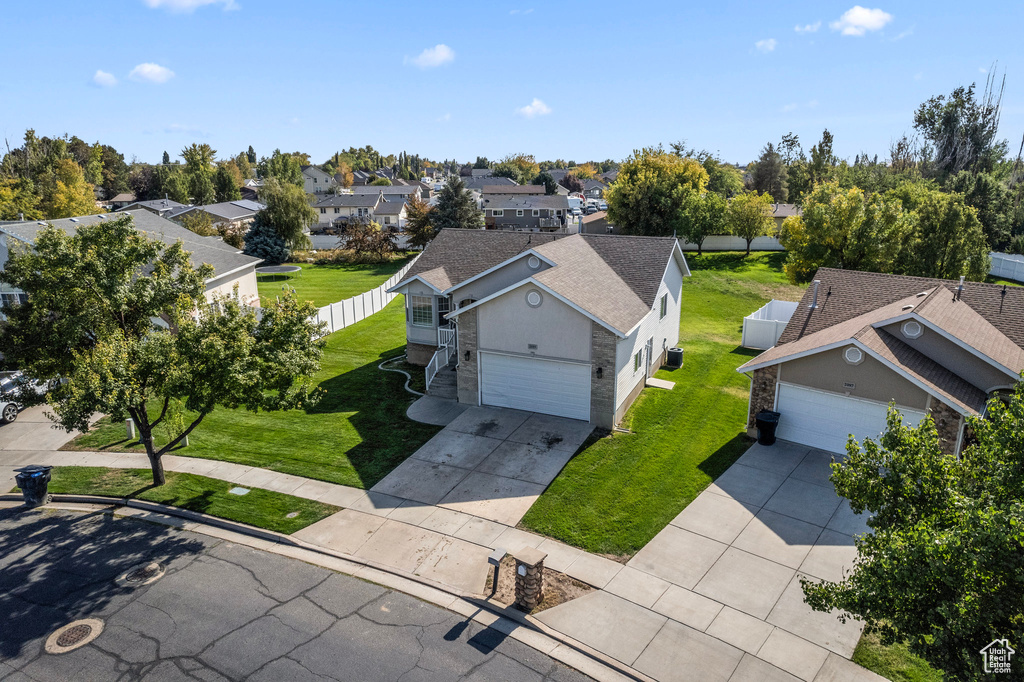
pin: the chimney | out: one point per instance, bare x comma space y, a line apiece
814, 301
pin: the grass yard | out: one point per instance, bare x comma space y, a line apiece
325, 283
894, 663
261, 508
354, 436
621, 490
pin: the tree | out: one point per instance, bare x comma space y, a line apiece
948, 240
173, 184
520, 168
284, 167
749, 216
962, 129
844, 229
723, 178
263, 241
166, 159
584, 172
251, 155
365, 238
71, 195
18, 200
381, 182
419, 226
990, 198
823, 161
199, 222
648, 194
545, 178
456, 208
200, 188
702, 215
288, 211
225, 186
198, 158
92, 297
769, 176
244, 167
572, 183
481, 163
940, 568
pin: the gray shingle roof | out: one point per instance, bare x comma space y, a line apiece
625, 270
530, 201
402, 190
156, 205
355, 200
225, 210
513, 189
490, 181
211, 250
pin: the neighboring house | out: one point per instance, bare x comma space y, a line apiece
481, 173
230, 266
121, 200
160, 207
594, 189
860, 340
782, 211
512, 189
340, 209
565, 325
477, 184
225, 213
529, 212
597, 223
316, 181
610, 176
401, 192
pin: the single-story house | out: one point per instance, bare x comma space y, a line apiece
339, 209
565, 325
860, 340
316, 181
238, 212
119, 201
230, 266
532, 212
159, 207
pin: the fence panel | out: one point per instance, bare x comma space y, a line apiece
1007, 266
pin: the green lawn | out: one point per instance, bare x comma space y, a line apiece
354, 436
621, 490
894, 663
325, 284
261, 508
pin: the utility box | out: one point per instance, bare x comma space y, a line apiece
675, 358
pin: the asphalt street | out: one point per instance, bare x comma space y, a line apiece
222, 611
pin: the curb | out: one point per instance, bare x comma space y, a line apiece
505, 619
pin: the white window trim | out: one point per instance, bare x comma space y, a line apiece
417, 304
519, 213
638, 360
664, 306
497, 213
536, 212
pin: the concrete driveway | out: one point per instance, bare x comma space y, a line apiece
33, 431
489, 462
223, 612
716, 594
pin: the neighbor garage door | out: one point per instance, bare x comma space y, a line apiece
547, 386
825, 420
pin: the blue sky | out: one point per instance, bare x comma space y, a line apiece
573, 80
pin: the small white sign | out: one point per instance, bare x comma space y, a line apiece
996, 657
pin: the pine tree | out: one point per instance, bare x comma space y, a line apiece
456, 208
251, 154
262, 241
167, 159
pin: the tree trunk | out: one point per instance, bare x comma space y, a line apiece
748, 246
156, 463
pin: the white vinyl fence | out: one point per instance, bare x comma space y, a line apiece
344, 313
763, 327
726, 242
1007, 266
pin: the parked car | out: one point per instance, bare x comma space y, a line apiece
602, 206
576, 211
591, 209
12, 384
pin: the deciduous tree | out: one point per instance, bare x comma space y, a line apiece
419, 227
749, 216
572, 183
520, 168
92, 299
225, 185
702, 215
288, 211
544, 178
648, 194
70, 195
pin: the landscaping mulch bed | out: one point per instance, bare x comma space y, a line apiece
558, 587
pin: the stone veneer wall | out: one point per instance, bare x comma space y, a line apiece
762, 392
466, 374
602, 391
419, 353
947, 423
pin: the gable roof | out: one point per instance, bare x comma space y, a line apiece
785, 210
355, 200
513, 189
402, 190
525, 201
211, 250
225, 210
156, 205
489, 181
614, 278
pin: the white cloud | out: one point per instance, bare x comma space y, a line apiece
188, 6
858, 20
151, 73
904, 34
432, 56
534, 108
445, 118
104, 79
808, 28
766, 45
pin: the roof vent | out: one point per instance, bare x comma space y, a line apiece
74, 220
923, 293
908, 307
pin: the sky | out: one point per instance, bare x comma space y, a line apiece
570, 80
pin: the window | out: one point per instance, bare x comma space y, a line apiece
519, 213
853, 355
638, 360
536, 213
443, 308
912, 329
324, 210
13, 299
422, 310
558, 212
387, 220
337, 210
664, 306
498, 212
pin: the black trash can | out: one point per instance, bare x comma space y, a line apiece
34, 482
767, 422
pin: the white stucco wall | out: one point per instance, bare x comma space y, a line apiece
504, 277
664, 331
415, 333
509, 324
246, 281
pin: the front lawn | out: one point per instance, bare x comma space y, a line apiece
324, 283
260, 508
621, 490
894, 662
354, 436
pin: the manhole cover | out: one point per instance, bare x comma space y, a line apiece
143, 574
73, 636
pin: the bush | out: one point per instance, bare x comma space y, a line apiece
262, 241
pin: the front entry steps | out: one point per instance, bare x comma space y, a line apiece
444, 384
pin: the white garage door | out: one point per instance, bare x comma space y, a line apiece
825, 420
547, 386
